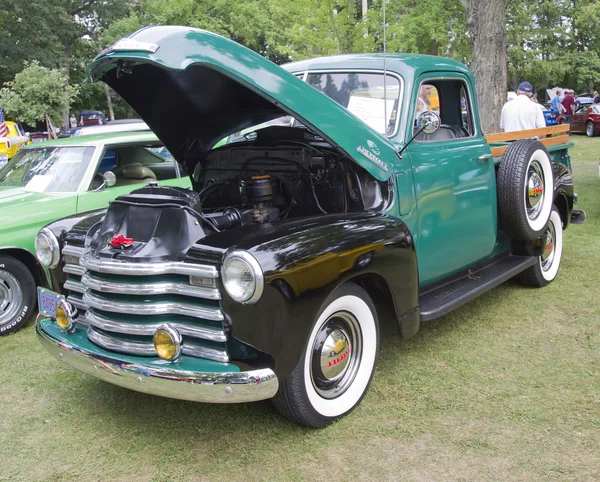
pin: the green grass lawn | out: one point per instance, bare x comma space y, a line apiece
505, 388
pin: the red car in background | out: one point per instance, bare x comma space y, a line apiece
92, 118
587, 119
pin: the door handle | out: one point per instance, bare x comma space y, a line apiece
485, 157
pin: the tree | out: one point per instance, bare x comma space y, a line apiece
486, 21
36, 91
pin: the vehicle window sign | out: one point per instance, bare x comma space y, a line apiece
363, 94
50, 169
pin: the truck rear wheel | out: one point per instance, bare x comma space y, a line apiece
546, 269
338, 363
525, 189
17, 295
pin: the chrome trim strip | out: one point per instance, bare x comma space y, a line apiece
69, 250
74, 269
157, 288
127, 328
153, 308
126, 347
74, 286
142, 348
210, 387
148, 269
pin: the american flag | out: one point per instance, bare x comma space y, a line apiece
3, 128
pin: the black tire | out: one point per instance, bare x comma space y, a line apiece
546, 269
525, 189
17, 295
562, 121
590, 129
315, 394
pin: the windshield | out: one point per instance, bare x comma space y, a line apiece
50, 169
362, 93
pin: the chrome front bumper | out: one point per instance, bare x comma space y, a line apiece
209, 387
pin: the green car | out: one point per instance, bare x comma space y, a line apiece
43, 182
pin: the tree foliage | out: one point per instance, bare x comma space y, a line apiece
36, 91
549, 42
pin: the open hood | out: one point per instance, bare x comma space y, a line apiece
193, 88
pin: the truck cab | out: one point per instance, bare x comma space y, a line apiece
263, 280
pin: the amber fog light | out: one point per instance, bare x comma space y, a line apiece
167, 342
64, 316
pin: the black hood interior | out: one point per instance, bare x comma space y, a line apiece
189, 110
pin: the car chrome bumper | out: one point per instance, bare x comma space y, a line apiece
209, 387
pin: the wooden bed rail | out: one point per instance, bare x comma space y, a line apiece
549, 136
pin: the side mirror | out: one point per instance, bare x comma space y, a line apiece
109, 179
428, 122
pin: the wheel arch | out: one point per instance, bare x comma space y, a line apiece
31, 262
378, 288
304, 263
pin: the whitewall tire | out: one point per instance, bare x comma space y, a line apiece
338, 362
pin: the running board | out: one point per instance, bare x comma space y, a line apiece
443, 298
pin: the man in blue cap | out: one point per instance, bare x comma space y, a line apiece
522, 113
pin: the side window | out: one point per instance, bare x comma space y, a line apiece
449, 98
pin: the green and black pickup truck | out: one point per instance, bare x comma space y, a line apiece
266, 278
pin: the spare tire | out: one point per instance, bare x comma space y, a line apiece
525, 190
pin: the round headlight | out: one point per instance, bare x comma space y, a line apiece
47, 249
167, 342
242, 277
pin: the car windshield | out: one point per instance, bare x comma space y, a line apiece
366, 95
49, 169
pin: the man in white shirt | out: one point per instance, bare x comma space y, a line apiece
522, 113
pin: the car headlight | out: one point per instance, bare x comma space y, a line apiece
47, 249
242, 277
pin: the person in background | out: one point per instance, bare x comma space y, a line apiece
521, 113
73, 121
19, 125
567, 103
423, 102
556, 105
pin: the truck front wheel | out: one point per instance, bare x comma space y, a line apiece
338, 362
546, 269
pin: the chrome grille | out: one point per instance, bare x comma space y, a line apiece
73, 285
127, 302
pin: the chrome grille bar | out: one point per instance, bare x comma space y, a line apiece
148, 329
74, 269
144, 348
73, 285
156, 288
152, 308
75, 251
77, 302
146, 269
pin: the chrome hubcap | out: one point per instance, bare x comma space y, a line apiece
548, 255
336, 355
590, 129
10, 297
534, 196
